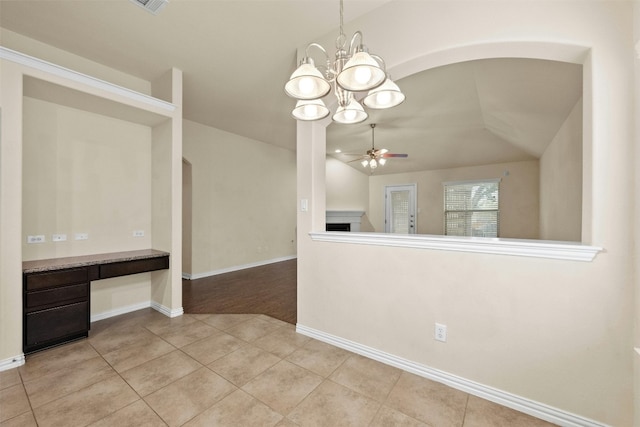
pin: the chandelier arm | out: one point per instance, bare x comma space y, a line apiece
357, 34
310, 45
329, 72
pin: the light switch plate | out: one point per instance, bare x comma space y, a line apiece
82, 236
58, 237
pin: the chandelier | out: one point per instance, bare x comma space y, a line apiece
353, 70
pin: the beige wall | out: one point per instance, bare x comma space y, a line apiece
347, 189
561, 182
243, 195
86, 173
518, 196
549, 331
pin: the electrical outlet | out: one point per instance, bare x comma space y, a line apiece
82, 236
36, 239
138, 233
440, 332
58, 237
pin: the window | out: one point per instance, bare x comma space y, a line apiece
471, 208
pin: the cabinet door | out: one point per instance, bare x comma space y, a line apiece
49, 298
56, 324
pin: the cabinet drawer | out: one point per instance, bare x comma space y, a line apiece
55, 323
35, 281
132, 267
57, 296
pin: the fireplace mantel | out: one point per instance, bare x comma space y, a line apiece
354, 218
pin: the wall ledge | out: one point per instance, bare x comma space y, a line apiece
56, 70
533, 408
527, 248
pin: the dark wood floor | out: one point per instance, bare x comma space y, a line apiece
269, 289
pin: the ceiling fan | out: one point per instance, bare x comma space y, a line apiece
375, 157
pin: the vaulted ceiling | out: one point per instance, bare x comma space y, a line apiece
237, 55
469, 113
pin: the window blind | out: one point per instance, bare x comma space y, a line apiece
471, 208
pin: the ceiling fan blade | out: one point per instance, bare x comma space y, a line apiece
386, 155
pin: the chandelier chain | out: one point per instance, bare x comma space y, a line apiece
341, 40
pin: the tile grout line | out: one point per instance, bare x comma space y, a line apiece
466, 406
384, 401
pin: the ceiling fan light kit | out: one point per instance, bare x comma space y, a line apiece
353, 70
376, 157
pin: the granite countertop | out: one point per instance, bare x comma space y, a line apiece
85, 260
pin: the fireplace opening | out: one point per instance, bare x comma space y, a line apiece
342, 226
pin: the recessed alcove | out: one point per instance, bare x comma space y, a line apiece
141, 164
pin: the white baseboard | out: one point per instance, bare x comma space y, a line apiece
166, 310
533, 408
12, 362
236, 268
119, 311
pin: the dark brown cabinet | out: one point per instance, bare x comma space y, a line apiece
56, 300
56, 307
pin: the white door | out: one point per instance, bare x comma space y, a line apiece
400, 209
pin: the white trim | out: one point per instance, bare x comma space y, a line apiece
166, 310
236, 268
498, 246
471, 181
12, 362
56, 70
531, 407
637, 350
119, 311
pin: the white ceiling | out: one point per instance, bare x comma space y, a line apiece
237, 55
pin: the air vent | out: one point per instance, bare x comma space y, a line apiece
153, 6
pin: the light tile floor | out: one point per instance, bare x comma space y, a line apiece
144, 369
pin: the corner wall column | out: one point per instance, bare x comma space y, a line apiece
166, 210
10, 215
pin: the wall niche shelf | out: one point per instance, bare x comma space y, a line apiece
97, 96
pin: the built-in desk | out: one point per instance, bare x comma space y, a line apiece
56, 292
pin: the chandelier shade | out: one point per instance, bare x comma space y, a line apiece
310, 110
353, 70
307, 82
386, 95
351, 113
361, 73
